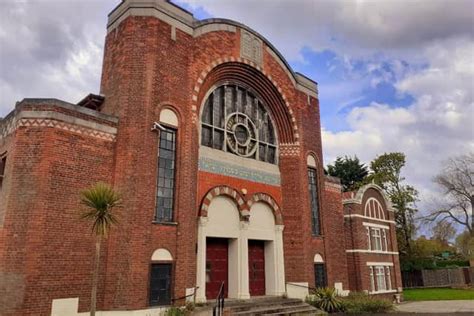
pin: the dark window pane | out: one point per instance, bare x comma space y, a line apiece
3, 163
271, 154
313, 195
218, 139
206, 136
261, 152
166, 173
320, 275
160, 284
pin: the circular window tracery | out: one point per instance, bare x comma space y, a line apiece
236, 121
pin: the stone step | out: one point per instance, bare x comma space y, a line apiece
277, 309
267, 305
306, 310
242, 307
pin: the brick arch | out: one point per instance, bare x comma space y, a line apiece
225, 191
267, 199
247, 73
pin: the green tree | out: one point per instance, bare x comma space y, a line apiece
443, 232
457, 182
386, 172
350, 170
428, 248
99, 201
465, 244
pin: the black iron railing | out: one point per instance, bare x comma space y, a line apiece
300, 285
218, 309
186, 296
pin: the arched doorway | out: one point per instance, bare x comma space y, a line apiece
243, 251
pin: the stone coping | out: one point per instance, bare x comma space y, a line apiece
185, 21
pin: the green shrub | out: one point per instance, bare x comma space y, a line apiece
362, 303
175, 311
325, 299
190, 306
452, 263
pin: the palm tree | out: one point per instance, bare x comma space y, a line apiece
99, 200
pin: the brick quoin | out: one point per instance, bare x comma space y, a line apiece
155, 61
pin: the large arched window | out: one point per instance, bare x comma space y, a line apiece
236, 121
374, 209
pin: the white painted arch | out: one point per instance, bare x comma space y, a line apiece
318, 258
161, 254
374, 209
169, 117
223, 221
310, 161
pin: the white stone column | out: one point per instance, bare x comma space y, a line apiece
244, 292
201, 260
280, 261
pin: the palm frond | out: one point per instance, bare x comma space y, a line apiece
99, 200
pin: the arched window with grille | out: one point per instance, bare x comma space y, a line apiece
235, 120
374, 209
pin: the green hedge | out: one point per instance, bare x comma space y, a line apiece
452, 263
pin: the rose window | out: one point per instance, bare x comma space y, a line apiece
236, 121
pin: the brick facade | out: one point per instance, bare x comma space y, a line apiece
361, 255
154, 61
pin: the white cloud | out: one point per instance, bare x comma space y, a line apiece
348, 27
436, 126
50, 49
54, 49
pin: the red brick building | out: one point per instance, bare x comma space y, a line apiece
215, 146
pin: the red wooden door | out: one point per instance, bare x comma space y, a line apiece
256, 267
216, 266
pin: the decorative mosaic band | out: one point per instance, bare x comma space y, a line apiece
290, 150
226, 169
333, 187
13, 124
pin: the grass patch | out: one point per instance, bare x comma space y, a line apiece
438, 294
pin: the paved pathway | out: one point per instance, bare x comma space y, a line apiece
435, 307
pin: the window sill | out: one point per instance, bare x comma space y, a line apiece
165, 223
318, 236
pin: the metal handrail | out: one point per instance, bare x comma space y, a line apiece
300, 285
218, 310
183, 297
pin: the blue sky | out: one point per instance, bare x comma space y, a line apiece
331, 72
394, 75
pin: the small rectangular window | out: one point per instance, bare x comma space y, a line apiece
160, 284
314, 200
320, 275
381, 281
389, 280
3, 163
166, 176
376, 239
372, 281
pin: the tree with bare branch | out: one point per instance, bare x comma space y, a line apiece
457, 183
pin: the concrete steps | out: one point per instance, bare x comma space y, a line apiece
270, 306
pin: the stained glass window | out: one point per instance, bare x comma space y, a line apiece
236, 121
